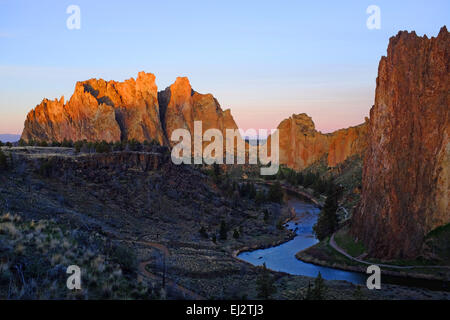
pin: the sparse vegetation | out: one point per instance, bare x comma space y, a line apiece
34, 256
347, 242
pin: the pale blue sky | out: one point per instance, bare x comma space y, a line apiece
263, 59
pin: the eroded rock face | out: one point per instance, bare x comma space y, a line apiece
100, 110
406, 170
345, 143
113, 111
181, 106
301, 144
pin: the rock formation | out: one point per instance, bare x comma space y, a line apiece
100, 110
181, 106
301, 144
406, 169
133, 109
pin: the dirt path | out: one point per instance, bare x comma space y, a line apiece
144, 272
343, 252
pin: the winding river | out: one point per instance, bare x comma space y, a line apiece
282, 257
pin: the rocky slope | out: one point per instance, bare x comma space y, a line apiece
406, 169
301, 144
133, 109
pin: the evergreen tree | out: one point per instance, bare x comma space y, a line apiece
3, 161
266, 215
327, 223
309, 294
223, 230
275, 193
318, 293
265, 284
78, 145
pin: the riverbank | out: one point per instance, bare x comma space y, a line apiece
292, 279
324, 254
291, 235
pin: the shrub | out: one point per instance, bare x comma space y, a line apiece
125, 257
203, 232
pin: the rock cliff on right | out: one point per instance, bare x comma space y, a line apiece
405, 187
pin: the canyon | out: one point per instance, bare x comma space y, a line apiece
404, 144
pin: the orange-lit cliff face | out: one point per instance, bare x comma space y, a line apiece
406, 169
111, 111
301, 144
100, 110
181, 106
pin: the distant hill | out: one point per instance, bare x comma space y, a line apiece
9, 137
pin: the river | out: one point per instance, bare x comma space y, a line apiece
282, 257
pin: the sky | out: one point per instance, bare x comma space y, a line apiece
265, 60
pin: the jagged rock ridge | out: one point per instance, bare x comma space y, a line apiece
133, 109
